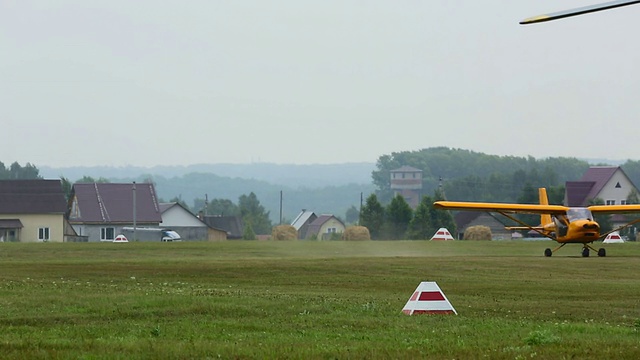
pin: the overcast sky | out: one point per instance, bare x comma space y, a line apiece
144, 82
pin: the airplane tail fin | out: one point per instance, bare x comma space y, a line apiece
544, 200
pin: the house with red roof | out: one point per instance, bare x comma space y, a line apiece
608, 183
32, 211
324, 227
99, 211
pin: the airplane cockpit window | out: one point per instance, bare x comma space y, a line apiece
579, 214
561, 225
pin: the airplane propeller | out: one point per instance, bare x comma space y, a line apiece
577, 11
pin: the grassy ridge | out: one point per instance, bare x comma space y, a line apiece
315, 300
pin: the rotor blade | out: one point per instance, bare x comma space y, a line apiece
577, 11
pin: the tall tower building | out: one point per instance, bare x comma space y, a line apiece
407, 181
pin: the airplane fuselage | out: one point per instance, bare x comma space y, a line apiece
577, 226
580, 231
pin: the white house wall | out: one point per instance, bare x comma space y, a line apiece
33, 222
610, 192
332, 223
178, 217
186, 224
93, 231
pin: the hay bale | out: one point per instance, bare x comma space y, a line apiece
478, 232
356, 233
284, 232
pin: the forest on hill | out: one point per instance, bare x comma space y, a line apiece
471, 176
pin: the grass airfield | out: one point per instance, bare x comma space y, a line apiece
302, 299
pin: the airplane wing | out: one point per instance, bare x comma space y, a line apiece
614, 209
502, 207
578, 11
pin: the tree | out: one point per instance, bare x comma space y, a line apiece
254, 213
420, 226
372, 216
633, 197
529, 195
17, 172
247, 232
556, 194
223, 207
66, 187
352, 216
89, 179
398, 216
441, 218
630, 231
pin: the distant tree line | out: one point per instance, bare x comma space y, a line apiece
470, 176
17, 172
398, 221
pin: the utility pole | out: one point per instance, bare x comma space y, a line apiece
134, 211
360, 211
280, 207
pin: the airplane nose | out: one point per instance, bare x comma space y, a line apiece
590, 225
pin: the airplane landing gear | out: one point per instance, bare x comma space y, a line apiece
586, 249
548, 252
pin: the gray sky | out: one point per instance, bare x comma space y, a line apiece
148, 83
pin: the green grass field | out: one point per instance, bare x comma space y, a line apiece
316, 300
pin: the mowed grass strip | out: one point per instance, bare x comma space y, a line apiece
298, 299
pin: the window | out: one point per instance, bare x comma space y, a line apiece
579, 213
107, 233
43, 234
623, 202
331, 230
611, 202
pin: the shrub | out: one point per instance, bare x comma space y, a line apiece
541, 337
356, 233
478, 232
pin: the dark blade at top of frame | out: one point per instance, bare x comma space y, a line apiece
577, 11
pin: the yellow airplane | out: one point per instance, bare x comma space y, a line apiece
577, 11
565, 225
